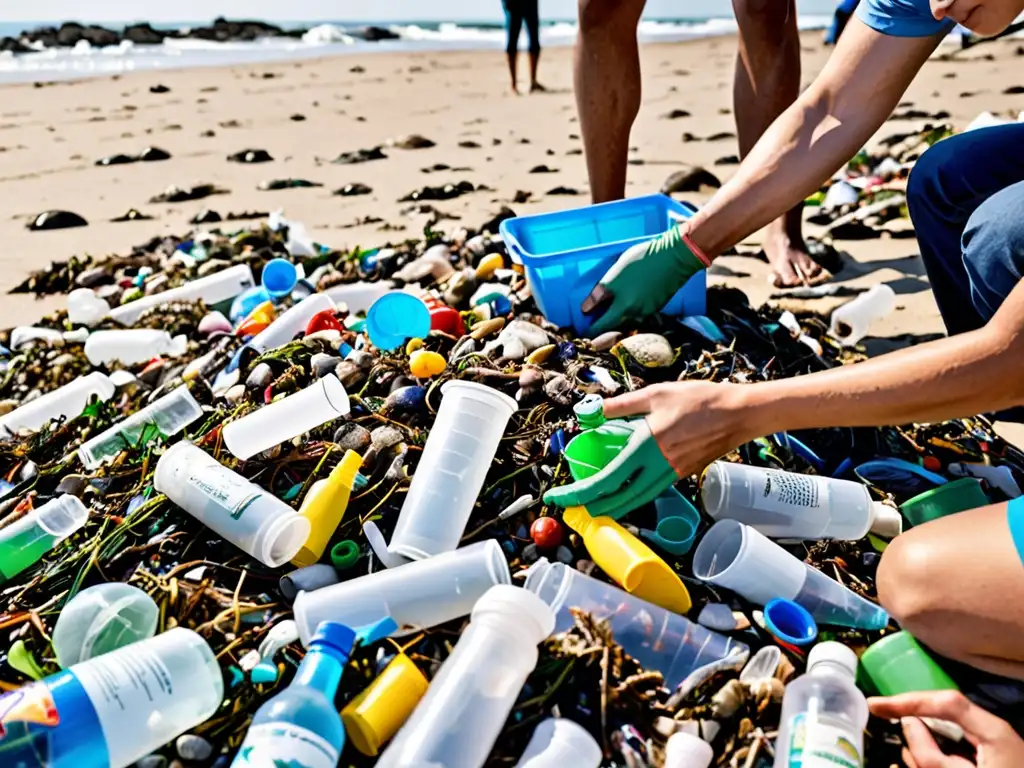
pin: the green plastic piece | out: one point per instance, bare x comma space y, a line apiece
898, 664
21, 659
344, 554
591, 451
957, 496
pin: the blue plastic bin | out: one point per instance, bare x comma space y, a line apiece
566, 253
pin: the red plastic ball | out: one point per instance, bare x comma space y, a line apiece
546, 533
324, 320
448, 320
932, 464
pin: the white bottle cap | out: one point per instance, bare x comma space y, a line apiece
885, 521
684, 750
557, 743
831, 652
522, 607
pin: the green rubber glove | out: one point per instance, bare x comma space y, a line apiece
637, 476
642, 280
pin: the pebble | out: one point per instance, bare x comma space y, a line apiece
322, 364
73, 484
488, 265
717, 616
518, 339
235, 394
386, 436
362, 359
259, 377
434, 263
407, 399
412, 141
651, 350
352, 437
57, 220
560, 390
193, 747
460, 287
606, 341
151, 761
424, 364
485, 328
349, 373
214, 321
564, 555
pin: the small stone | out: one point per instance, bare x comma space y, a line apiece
73, 484
485, 328
385, 437
206, 216
690, 180
407, 399
193, 747
424, 364
412, 141
152, 761
564, 555
259, 377
91, 278
57, 220
540, 355
434, 263
235, 394
251, 156
560, 390
153, 154
460, 287
360, 358
349, 373
213, 322
322, 364
401, 381
6, 406
530, 554
352, 437
353, 190
606, 341
488, 265
518, 339
651, 350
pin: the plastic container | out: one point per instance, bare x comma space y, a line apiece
560, 743
566, 253
458, 721
325, 505
949, 499
658, 639
102, 619
823, 713
599, 442
851, 322
787, 505
245, 302
211, 289
790, 622
294, 321
132, 346
373, 717
395, 317
86, 308
452, 469
418, 595
737, 557
278, 278
898, 664
251, 518
678, 521
684, 750
112, 710
160, 419
322, 401
24, 541
67, 402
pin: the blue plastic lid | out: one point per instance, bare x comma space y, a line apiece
395, 317
279, 277
790, 622
337, 637
247, 301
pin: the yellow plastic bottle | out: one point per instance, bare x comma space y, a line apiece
628, 561
376, 714
324, 507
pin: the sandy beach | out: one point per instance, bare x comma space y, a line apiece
306, 113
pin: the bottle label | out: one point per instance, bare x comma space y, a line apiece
273, 745
783, 490
31, 704
822, 742
233, 493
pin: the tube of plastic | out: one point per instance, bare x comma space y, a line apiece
657, 638
284, 328
737, 557
132, 346
251, 518
325, 505
418, 595
359, 297
787, 505
320, 402
68, 402
851, 322
211, 289
162, 418
458, 721
24, 541
451, 472
559, 743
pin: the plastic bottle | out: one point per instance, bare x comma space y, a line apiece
132, 346
67, 402
211, 289
102, 619
823, 713
376, 714
850, 322
161, 419
24, 541
284, 328
112, 710
359, 297
560, 743
787, 505
300, 725
457, 722
324, 507
600, 442
86, 308
243, 513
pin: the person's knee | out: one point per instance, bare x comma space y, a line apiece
597, 15
910, 583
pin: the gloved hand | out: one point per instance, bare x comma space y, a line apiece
643, 279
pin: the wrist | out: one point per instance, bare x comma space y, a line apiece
754, 414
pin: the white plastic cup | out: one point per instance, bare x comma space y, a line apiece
164, 417
658, 639
850, 322
737, 557
284, 328
457, 722
684, 750
320, 402
561, 743
251, 518
133, 346
211, 289
451, 472
101, 619
418, 595
68, 402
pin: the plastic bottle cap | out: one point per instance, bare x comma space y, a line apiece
395, 317
833, 653
279, 277
525, 608
344, 554
790, 622
684, 750
885, 521
957, 496
590, 411
334, 635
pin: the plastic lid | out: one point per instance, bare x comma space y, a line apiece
523, 608
331, 634
279, 277
558, 742
833, 653
590, 411
957, 496
790, 622
885, 521
395, 317
344, 554
684, 750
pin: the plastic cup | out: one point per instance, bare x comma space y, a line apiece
684, 750
395, 317
957, 496
790, 622
559, 743
850, 322
898, 664
376, 714
678, 521
285, 327
452, 469
67, 402
418, 595
279, 278
211, 289
24, 541
317, 404
102, 619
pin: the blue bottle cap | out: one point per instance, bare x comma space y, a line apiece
790, 622
279, 277
335, 636
395, 317
247, 301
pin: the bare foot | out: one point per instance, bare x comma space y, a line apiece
791, 265
537, 88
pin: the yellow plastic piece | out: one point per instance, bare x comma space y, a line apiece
488, 265
424, 364
261, 316
324, 507
413, 345
628, 561
376, 714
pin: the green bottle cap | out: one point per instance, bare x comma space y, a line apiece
898, 664
590, 411
957, 496
344, 554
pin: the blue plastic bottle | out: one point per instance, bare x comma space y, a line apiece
300, 727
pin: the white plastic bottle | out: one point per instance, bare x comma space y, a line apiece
824, 713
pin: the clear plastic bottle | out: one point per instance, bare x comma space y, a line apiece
823, 714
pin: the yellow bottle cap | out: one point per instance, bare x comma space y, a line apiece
376, 714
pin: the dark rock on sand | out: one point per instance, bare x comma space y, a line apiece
132, 214
494, 222
521, 196
690, 180
412, 141
223, 30
242, 215
543, 169
176, 194
153, 154
12, 45
373, 34
360, 156
275, 184
563, 191
469, 144
1014, 90
297, 118
250, 156
724, 135
205, 216
143, 34
576, 151
728, 160
352, 190
159, 88
435, 168
116, 160
446, 192
357, 69
57, 220
675, 114
688, 137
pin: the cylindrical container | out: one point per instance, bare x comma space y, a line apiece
279, 277
284, 328
560, 743
737, 557
850, 323
24, 541
684, 750
376, 714
658, 639
417, 595
162, 418
102, 619
320, 402
132, 346
957, 496
211, 289
457, 722
68, 402
251, 518
898, 664
451, 471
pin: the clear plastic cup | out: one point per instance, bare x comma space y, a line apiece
418, 595
251, 518
211, 289
102, 619
560, 743
658, 639
132, 346
279, 277
284, 328
851, 322
67, 402
162, 418
24, 541
322, 401
451, 472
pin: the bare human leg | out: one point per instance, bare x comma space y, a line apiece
512, 57
514, 25
532, 19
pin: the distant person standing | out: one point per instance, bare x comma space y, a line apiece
518, 12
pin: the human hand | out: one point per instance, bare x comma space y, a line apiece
997, 744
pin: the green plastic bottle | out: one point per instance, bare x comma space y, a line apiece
600, 442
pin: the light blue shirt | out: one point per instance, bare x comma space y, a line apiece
902, 18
